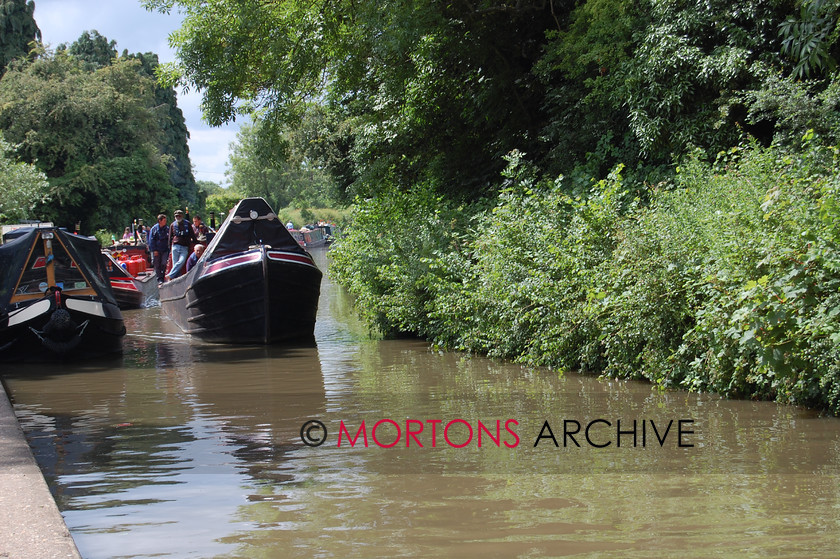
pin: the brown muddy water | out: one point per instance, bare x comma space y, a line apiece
182, 449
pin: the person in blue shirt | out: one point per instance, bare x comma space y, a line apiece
196, 254
182, 239
158, 242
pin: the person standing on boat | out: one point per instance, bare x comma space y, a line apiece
158, 242
182, 239
199, 229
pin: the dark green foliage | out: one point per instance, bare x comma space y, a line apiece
173, 140
92, 133
17, 30
93, 49
111, 192
22, 187
729, 281
429, 91
810, 37
282, 171
111, 140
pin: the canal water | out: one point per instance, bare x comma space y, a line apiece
183, 449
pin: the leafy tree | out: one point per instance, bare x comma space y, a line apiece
97, 52
94, 49
221, 203
658, 77
93, 135
430, 90
688, 65
22, 187
174, 136
280, 172
809, 38
581, 68
17, 30
203, 190
208, 187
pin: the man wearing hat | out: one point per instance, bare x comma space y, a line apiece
182, 239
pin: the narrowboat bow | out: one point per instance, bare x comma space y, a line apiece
253, 284
56, 300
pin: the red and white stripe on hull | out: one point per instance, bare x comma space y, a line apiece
290, 257
123, 284
231, 262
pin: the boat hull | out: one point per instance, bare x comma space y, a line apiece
56, 302
135, 292
259, 296
79, 328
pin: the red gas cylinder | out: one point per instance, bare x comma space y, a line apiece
139, 264
135, 267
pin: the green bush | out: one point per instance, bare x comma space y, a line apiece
727, 281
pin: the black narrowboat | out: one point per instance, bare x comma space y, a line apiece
253, 285
55, 298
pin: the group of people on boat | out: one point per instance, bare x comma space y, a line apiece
183, 241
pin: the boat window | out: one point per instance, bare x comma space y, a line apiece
67, 273
34, 276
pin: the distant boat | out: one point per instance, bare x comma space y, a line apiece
55, 298
315, 236
132, 282
298, 236
253, 284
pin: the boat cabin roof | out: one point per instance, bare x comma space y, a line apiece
251, 222
40, 258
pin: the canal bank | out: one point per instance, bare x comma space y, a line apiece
30, 523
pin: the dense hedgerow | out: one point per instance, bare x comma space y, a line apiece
728, 280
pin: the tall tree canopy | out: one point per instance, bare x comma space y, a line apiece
292, 178
173, 141
93, 49
17, 30
96, 51
109, 137
92, 133
433, 92
23, 188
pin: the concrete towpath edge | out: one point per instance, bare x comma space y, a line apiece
31, 525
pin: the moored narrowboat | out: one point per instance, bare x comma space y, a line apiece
55, 298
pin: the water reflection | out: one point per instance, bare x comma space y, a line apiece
135, 455
193, 450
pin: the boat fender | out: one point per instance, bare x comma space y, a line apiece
61, 334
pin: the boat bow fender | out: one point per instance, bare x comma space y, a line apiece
61, 334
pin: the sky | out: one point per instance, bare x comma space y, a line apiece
137, 30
